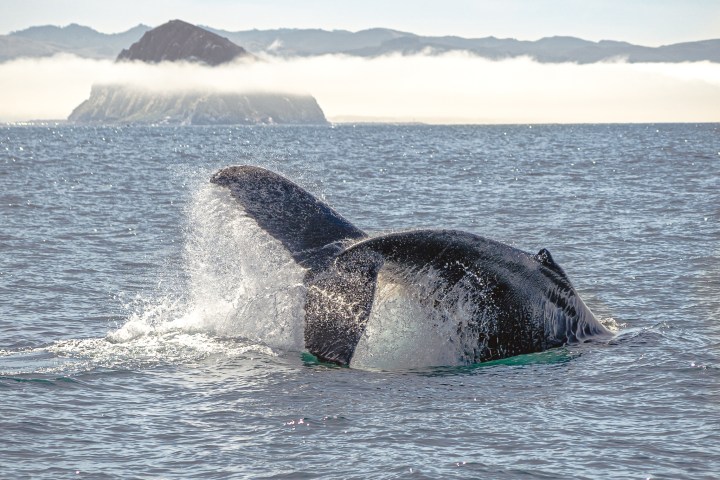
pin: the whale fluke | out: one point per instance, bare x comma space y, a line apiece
478, 298
311, 230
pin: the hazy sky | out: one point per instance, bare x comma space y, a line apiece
646, 22
452, 88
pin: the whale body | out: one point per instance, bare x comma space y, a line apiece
495, 301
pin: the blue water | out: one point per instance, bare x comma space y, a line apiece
132, 345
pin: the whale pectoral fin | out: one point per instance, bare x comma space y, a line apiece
306, 226
338, 305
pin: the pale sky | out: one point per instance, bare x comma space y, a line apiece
644, 22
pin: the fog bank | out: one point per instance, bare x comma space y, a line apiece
450, 88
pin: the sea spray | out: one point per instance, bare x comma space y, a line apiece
240, 282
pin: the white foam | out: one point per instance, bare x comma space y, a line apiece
612, 325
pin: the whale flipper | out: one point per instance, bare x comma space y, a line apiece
306, 226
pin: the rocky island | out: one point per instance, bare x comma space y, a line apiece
180, 41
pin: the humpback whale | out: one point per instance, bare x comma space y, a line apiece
495, 300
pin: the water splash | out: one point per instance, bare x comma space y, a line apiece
77, 356
242, 292
241, 282
611, 324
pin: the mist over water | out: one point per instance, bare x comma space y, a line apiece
455, 87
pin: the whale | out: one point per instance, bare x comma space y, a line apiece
491, 300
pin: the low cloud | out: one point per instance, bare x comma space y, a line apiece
450, 88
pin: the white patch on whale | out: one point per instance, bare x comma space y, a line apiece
411, 325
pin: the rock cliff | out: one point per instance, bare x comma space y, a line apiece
181, 41
125, 104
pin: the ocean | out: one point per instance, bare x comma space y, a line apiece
145, 334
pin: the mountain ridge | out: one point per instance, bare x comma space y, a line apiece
290, 42
47, 40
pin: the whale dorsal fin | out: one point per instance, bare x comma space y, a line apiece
544, 257
306, 226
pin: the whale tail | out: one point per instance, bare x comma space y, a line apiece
494, 301
312, 232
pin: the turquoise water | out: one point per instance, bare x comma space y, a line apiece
144, 334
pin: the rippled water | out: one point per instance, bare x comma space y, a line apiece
144, 335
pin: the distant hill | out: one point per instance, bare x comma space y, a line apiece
177, 40
180, 41
82, 41
308, 42
377, 42
85, 42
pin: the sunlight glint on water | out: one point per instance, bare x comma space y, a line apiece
147, 330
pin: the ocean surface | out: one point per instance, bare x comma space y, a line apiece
145, 334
